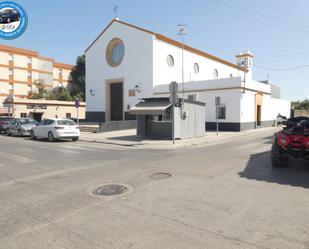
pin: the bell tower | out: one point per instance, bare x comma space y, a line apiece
245, 61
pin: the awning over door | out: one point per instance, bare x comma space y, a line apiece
150, 107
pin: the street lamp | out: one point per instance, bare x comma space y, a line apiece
182, 31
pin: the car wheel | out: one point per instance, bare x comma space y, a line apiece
20, 134
32, 135
74, 139
51, 137
277, 160
8, 20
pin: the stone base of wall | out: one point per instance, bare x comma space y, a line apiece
95, 116
117, 125
227, 126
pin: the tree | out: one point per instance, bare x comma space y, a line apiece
77, 85
301, 105
41, 90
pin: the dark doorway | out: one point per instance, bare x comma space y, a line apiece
258, 115
37, 116
116, 101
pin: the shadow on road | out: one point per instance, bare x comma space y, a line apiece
259, 168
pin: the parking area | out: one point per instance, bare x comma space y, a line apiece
222, 195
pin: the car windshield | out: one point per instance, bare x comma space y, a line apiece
66, 122
6, 120
28, 121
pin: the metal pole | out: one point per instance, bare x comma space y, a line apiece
173, 124
77, 117
217, 120
182, 70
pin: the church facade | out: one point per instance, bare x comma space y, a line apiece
126, 63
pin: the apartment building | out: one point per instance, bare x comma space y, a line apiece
20, 69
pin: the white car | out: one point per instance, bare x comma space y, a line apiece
55, 128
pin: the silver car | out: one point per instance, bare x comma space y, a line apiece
21, 126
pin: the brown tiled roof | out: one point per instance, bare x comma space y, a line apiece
170, 41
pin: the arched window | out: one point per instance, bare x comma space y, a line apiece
216, 74
170, 60
196, 68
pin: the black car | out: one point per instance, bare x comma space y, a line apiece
9, 15
4, 123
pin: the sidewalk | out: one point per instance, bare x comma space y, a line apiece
128, 138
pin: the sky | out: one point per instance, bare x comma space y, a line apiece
276, 31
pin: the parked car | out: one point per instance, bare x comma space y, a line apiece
56, 128
4, 123
291, 142
9, 15
21, 126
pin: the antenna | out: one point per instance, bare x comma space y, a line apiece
182, 31
115, 9
267, 78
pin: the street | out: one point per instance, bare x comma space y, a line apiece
223, 195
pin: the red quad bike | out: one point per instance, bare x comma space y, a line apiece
291, 142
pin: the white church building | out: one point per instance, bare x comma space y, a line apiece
126, 63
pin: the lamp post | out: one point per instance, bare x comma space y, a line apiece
182, 31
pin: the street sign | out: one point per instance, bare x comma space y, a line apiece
77, 103
173, 87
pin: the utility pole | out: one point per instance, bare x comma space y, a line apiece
182, 31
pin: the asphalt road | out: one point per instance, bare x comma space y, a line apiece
224, 195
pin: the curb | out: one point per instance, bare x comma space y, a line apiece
171, 146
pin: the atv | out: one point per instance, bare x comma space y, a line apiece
291, 142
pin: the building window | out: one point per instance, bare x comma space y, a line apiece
170, 61
216, 74
222, 112
11, 72
29, 60
23, 115
11, 57
29, 74
196, 68
68, 115
29, 88
11, 87
60, 73
115, 52
193, 97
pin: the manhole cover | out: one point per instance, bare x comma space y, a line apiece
110, 189
160, 176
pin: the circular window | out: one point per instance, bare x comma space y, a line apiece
196, 68
216, 74
170, 60
115, 52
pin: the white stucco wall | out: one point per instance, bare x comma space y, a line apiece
135, 69
163, 74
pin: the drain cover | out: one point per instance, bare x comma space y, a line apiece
160, 176
110, 189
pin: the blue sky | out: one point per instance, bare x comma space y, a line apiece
276, 31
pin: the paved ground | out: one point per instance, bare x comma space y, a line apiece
129, 138
224, 195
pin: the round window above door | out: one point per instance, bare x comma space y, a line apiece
115, 52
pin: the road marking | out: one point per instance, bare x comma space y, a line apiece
20, 159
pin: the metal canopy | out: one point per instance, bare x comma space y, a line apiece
150, 108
